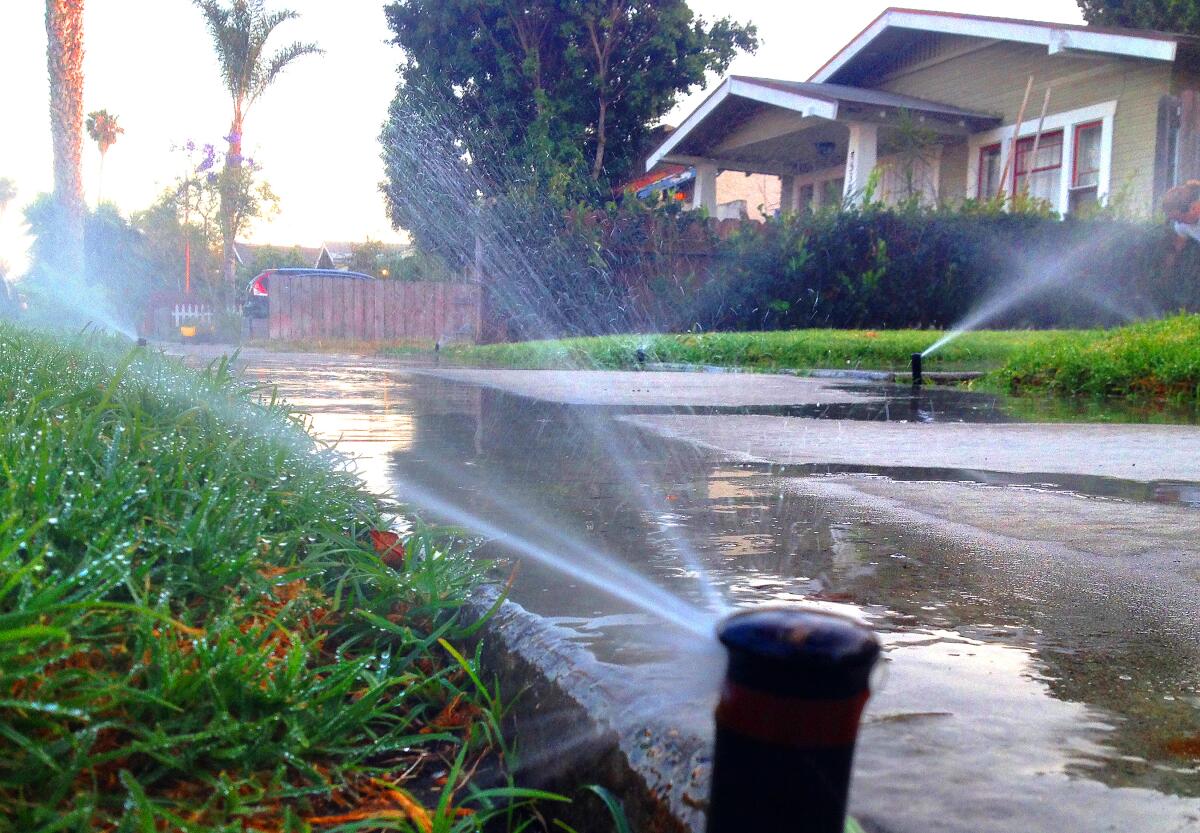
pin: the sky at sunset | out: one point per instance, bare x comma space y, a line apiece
316, 131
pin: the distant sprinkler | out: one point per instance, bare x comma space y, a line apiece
917, 379
787, 720
641, 356
142, 342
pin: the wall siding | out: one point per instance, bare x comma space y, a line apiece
993, 80
953, 172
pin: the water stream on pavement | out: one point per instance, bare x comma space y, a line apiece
1016, 696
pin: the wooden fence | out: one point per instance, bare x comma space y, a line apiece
309, 308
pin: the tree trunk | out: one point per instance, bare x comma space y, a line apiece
601, 140
233, 159
64, 54
100, 183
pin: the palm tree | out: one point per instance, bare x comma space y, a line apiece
103, 129
239, 32
64, 57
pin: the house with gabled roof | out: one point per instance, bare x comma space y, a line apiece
945, 107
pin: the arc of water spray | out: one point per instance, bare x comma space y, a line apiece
1035, 280
622, 584
682, 547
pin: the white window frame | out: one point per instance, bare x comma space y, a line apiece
934, 164
817, 180
1104, 113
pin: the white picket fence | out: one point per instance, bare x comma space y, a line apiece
197, 315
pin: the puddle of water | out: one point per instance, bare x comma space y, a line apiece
1010, 700
904, 403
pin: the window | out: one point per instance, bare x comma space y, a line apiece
989, 172
1085, 179
910, 177
805, 201
832, 191
1039, 172
1071, 167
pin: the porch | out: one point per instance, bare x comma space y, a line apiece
822, 140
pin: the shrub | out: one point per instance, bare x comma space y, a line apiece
914, 267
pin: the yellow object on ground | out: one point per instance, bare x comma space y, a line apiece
187, 331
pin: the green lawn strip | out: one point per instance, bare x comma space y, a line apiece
791, 349
1153, 360
195, 632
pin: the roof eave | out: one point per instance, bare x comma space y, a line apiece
805, 105
1055, 38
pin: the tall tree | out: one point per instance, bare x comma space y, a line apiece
1166, 15
64, 57
103, 129
240, 31
648, 52
575, 84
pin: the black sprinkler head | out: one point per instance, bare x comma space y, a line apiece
641, 356
142, 342
916, 369
788, 719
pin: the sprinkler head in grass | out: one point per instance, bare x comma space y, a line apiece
788, 719
916, 369
641, 356
142, 342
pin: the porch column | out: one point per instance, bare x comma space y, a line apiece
704, 195
787, 195
860, 160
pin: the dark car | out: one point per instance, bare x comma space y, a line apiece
257, 289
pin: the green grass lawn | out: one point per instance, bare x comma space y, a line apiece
1149, 361
798, 349
1154, 360
197, 632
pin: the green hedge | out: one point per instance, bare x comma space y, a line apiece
915, 268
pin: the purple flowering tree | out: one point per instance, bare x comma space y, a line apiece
240, 30
207, 198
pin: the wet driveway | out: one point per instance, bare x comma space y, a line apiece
1020, 691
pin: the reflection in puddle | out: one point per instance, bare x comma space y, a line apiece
1008, 702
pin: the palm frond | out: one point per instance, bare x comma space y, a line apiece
282, 58
240, 31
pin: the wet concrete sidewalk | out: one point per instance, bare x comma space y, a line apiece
1128, 451
629, 388
1037, 587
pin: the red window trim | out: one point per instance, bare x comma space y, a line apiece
1029, 143
983, 151
1079, 128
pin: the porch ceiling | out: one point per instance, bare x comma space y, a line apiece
770, 126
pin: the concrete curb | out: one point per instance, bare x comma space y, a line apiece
569, 732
